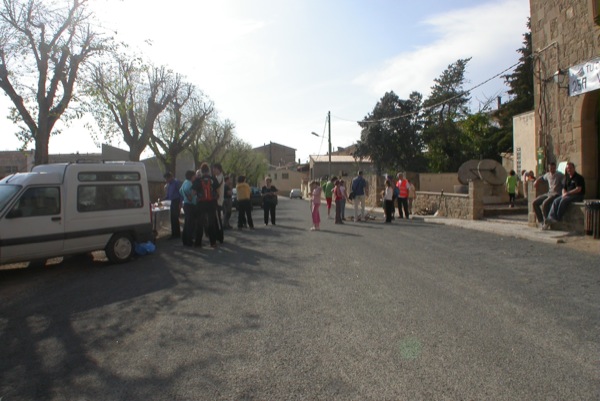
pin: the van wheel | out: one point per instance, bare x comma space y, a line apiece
120, 248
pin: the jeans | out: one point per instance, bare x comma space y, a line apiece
560, 204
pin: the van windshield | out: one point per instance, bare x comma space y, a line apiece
7, 192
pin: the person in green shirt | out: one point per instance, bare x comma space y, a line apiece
511, 187
328, 189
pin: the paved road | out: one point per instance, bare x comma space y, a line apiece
363, 311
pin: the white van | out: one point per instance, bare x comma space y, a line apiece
69, 208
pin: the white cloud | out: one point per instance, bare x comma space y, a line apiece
489, 33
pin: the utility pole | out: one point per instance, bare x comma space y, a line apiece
329, 123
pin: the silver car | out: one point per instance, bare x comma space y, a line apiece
296, 193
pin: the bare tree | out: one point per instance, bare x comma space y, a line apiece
127, 98
180, 125
214, 140
42, 46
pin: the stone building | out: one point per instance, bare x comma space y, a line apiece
566, 50
277, 155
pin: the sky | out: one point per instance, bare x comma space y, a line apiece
275, 68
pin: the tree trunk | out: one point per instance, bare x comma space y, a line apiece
41, 148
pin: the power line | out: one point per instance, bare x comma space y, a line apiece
435, 105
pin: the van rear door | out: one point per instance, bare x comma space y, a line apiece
33, 228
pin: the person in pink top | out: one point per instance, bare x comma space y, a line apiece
315, 202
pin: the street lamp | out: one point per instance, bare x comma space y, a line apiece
329, 153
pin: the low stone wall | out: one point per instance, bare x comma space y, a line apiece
458, 206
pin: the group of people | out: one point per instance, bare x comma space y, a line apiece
335, 190
563, 189
206, 197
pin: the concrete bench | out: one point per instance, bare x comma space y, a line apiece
574, 219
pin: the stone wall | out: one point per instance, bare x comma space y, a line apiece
564, 35
457, 206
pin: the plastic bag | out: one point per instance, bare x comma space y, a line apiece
145, 248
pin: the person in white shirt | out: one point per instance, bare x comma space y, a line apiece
541, 204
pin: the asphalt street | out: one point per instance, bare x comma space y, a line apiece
361, 311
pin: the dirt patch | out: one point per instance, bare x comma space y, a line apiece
583, 243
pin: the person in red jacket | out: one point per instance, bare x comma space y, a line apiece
403, 191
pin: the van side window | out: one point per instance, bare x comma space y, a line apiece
38, 201
93, 198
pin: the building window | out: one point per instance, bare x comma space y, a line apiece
596, 11
275, 176
285, 176
10, 169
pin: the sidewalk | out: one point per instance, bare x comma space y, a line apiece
505, 227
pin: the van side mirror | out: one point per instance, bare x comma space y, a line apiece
14, 214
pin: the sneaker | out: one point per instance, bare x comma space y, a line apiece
546, 226
312, 229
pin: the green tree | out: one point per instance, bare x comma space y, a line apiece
521, 89
42, 47
479, 137
240, 159
391, 134
444, 109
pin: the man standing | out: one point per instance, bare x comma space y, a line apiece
227, 202
360, 190
573, 191
205, 187
217, 172
172, 194
543, 203
403, 190
189, 206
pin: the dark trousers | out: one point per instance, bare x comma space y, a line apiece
245, 210
388, 208
269, 209
175, 210
189, 223
542, 204
402, 204
338, 212
206, 220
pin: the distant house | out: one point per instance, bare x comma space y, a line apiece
277, 155
341, 166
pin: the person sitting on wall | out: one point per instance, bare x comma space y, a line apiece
573, 191
543, 203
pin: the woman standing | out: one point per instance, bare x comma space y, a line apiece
269, 193
337, 195
344, 197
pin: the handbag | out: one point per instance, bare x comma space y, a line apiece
351, 195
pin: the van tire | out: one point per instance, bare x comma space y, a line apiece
120, 248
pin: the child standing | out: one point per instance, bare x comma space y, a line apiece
315, 202
511, 187
388, 201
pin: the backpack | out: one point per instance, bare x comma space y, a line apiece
204, 189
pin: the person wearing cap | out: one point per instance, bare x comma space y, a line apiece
172, 194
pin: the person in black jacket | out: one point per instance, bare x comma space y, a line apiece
269, 193
205, 187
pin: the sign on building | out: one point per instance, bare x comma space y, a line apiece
584, 77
